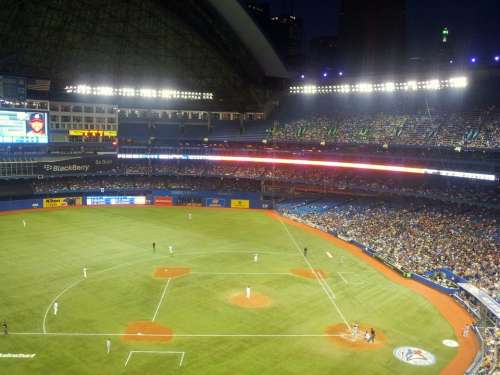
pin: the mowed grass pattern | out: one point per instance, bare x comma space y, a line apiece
38, 262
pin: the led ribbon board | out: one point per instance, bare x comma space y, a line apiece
318, 163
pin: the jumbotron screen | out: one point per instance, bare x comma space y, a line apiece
23, 127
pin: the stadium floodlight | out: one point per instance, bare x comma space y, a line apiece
451, 61
302, 76
496, 58
458, 82
83, 90
310, 89
433, 84
365, 87
389, 86
345, 88
138, 92
325, 74
473, 60
412, 85
103, 91
147, 93
126, 91
341, 73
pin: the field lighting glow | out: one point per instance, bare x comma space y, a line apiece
433, 84
144, 92
318, 163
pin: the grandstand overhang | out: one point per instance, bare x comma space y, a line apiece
251, 36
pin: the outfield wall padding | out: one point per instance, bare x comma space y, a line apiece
21, 204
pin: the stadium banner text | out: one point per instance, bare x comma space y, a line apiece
215, 202
93, 133
115, 200
76, 166
163, 201
240, 203
62, 202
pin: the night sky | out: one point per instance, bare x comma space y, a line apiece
475, 25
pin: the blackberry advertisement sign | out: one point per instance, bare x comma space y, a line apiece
92, 165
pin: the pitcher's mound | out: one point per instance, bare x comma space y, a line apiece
341, 335
147, 331
166, 272
306, 273
256, 300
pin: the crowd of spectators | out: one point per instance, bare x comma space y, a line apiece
325, 179
134, 183
418, 236
430, 127
491, 341
436, 188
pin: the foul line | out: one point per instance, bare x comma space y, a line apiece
321, 281
154, 352
44, 325
75, 334
161, 299
342, 277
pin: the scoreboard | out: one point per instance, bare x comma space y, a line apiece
18, 126
115, 200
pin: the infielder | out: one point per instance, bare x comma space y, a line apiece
171, 249
24, 223
84, 272
247, 292
256, 258
108, 345
5, 328
190, 216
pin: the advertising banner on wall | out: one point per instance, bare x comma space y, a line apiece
76, 166
115, 200
62, 202
215, 202
240, 203
93, 133
163, 201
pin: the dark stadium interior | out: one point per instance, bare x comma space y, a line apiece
206, 98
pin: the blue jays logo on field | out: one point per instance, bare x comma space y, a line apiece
414, 356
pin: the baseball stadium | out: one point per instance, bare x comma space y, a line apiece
187, 188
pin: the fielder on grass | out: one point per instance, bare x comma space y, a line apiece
108, 345
55, 307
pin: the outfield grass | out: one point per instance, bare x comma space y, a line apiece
42, 260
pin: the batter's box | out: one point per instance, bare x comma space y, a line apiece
164, 359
